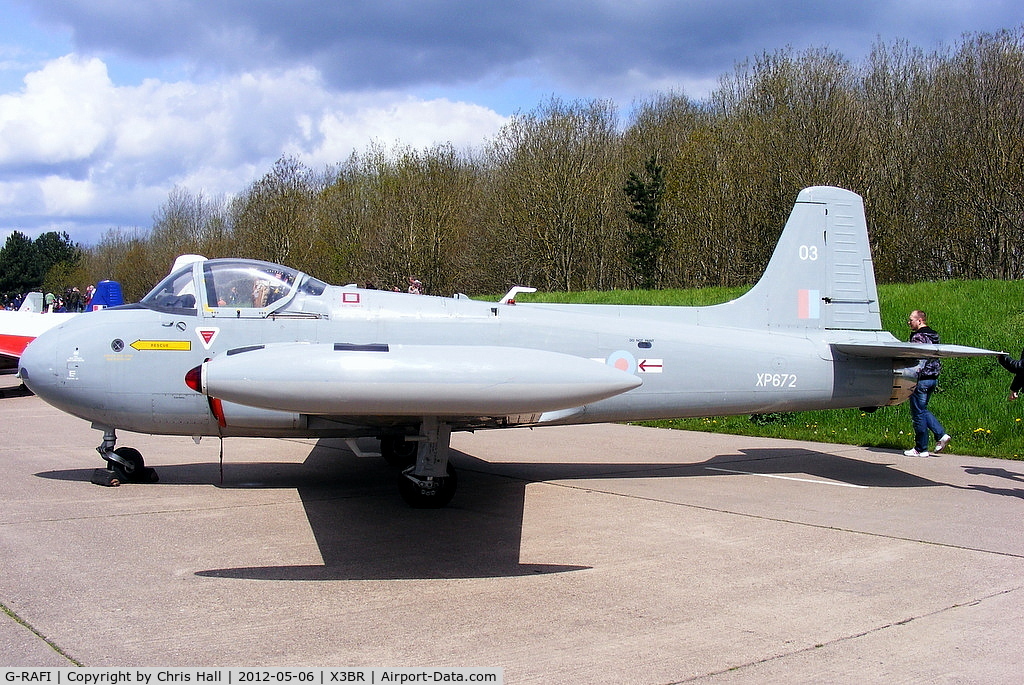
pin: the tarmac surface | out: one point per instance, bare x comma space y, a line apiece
604, 553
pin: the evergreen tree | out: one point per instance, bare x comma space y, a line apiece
19, 267
53, 248
647, 240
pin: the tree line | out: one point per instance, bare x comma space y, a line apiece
52, 262
678, 193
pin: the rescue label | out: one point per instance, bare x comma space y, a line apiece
176, 345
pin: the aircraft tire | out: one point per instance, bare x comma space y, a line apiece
397, 451
139, 473
419, 497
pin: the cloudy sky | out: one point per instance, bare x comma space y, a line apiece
106, 105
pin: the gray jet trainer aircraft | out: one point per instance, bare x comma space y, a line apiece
236, 347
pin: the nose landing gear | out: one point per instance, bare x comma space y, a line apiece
124, 464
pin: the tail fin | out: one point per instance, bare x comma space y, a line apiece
820, 275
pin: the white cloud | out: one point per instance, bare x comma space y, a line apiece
409, 121
75, 147
55, 118
65, 196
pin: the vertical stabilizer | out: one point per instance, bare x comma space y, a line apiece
820, 275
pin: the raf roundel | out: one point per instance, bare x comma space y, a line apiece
623, 361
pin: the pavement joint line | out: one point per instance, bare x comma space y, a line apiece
561, 482
157, 513
781, 477
28, 626
760, 517
847, 638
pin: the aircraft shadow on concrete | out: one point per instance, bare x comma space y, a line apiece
15, 391
364, 531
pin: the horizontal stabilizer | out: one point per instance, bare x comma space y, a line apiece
902, 350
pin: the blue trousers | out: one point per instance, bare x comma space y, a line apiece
922, 418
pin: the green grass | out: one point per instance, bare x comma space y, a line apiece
971, 401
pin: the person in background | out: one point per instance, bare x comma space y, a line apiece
923, 419
1016, 367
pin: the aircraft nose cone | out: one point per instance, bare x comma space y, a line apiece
37, 363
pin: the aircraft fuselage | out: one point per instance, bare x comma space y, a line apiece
126, 367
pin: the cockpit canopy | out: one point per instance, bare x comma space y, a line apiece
232, 287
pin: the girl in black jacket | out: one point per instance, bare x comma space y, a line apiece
1016, 367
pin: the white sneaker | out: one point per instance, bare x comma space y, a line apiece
941, 443
915, 453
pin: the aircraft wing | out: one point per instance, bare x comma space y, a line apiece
907, 350
11, 348
12, 345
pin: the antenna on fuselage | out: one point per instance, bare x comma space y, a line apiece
510, 296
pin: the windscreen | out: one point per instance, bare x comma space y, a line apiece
177, 291
235, 287
246, 285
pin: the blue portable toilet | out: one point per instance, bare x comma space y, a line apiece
107, 294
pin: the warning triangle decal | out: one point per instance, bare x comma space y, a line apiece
207, 336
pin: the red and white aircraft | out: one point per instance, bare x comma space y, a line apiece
18, 329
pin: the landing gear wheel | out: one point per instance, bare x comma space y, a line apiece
124, 464
133, 470
133, 461
397, 451
427, 493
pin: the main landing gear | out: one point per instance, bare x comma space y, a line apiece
427, 480
124, 464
